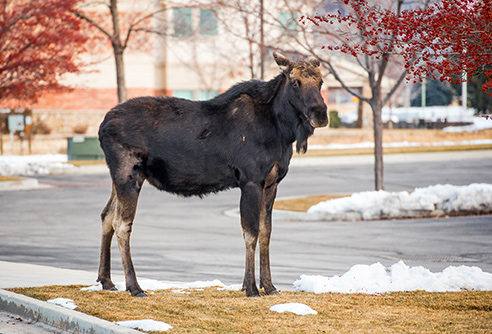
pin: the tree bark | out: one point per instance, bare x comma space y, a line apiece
120, 76
378, 144
118, 49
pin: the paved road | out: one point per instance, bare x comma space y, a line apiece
192, 239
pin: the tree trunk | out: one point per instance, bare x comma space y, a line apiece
360, 115
378, 144
118, 49
120, 75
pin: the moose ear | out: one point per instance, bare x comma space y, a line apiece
313, 61
282, 61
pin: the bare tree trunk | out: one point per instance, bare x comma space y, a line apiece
360, 116
120, 76
378, 144
118, 49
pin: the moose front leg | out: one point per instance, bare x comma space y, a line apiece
250, 207
264, 236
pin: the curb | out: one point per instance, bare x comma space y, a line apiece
24, 184
57, 316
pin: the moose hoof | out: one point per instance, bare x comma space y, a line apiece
141, 294
274, 292
254, 295
113, 289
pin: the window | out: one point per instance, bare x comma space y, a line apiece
208, 23
182, 22
184, 94
207, 94
288, 21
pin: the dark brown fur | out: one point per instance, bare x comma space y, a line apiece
242, 138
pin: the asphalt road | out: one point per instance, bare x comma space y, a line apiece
190, 239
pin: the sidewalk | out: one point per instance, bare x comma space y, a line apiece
21, 314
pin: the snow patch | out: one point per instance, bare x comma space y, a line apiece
145, 325
31, 165
479, 123
65, 302
149, 284
297, 308
376, 278
368, 144
423, 202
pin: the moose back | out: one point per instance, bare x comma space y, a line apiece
241, 138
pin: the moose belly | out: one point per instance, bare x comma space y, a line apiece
192, 176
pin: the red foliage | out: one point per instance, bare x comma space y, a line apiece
440, 41
39, 41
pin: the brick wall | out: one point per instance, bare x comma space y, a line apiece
83, 106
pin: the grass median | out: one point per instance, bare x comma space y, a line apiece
215, 311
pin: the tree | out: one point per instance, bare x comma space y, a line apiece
357, 30
450, 38
40, 40
118, 33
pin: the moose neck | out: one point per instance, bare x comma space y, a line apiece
292, 126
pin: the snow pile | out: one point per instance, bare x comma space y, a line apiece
423, 202
376, 278
31, 164
150, 284
479, 123
368, 144
145, 325
297, 308
65, 302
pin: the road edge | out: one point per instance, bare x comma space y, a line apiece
57, 316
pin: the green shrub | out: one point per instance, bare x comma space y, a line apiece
334, 119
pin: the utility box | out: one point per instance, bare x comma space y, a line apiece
84, 148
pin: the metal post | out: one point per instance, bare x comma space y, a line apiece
262, 43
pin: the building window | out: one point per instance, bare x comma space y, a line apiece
288, 22
182, 22
208, 23
184, 94
207, 94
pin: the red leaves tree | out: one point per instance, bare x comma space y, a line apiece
40, 40
358, 32
446, 39
443, 40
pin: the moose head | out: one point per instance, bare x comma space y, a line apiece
304, 82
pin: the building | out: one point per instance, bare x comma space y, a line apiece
203, 48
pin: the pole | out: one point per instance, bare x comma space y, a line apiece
262, 43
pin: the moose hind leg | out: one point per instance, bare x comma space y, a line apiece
264, 240
107, 218
127, 197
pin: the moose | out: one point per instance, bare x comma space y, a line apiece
241, 138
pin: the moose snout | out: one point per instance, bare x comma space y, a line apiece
318, 116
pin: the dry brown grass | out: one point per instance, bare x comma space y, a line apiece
213, 311
79, 163
9, 178
302, 204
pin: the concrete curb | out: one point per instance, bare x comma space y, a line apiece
57, 316
24, 184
